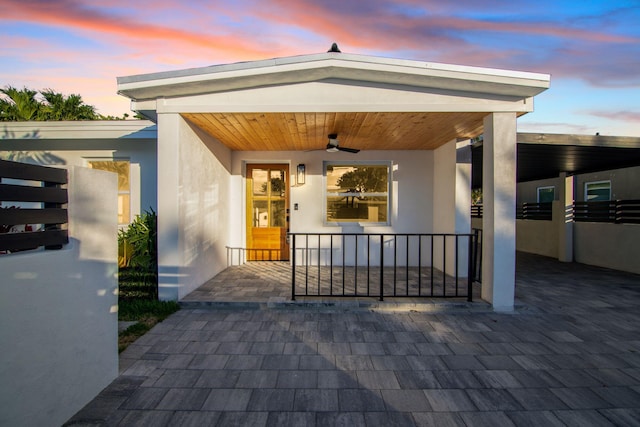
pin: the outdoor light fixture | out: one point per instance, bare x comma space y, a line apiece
301, 174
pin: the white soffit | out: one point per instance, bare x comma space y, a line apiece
339, 66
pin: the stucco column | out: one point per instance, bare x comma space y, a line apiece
452, 199
169, 256
499, 217
463, 186
565, 231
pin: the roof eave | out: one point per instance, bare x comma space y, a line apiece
293, 70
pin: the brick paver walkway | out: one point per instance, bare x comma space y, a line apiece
570, 355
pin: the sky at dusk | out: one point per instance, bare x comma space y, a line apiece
591, 48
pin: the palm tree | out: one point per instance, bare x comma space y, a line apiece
19, 105
67, 108
22, 105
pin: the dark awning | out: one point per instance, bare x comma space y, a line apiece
542, 156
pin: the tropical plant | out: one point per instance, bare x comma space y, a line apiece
47, 105
19, 105
72, 107
137, 244
476, 196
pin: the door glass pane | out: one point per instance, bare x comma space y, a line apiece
259, 177
277, 183
260, 213
278, 213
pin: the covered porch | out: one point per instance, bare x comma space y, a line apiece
295, 117
260, 284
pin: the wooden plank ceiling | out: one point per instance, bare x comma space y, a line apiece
365, 131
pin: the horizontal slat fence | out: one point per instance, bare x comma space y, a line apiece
535, 211
42, 185
616, 211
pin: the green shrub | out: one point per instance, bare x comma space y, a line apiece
138, 243
140, 309
138, 259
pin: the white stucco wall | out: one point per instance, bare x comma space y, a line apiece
58, 311
193, 207
203, 199
411, 193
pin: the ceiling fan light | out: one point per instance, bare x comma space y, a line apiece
332, 148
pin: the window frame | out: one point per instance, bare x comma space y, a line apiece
586, 189
90, 160
358, 163
547, 187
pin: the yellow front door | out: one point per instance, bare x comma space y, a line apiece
267, 212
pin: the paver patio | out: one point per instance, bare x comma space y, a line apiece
568, 355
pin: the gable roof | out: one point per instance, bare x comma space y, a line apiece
330, 65
372, 103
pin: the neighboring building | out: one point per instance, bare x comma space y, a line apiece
127, 148
570, 170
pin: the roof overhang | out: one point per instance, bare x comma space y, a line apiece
307, 68
370, 102
542, 156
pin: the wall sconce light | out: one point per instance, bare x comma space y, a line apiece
301, 174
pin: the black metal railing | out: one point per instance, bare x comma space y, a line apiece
240, 255
476, 256
42, 222
384, 265
535, 211
616, 211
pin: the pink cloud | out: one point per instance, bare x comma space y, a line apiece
134, 39
69, 14
624, 116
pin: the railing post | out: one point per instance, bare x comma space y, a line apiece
382, 267
470, 268
293, 267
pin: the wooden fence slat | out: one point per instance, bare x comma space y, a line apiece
23, 193
29, 172
32, 240
32, 216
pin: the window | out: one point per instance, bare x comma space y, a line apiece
597, 191
546, 194
357, 192
121, 167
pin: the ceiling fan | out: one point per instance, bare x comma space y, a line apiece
333, 145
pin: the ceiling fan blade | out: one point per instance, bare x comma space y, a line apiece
348, 150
